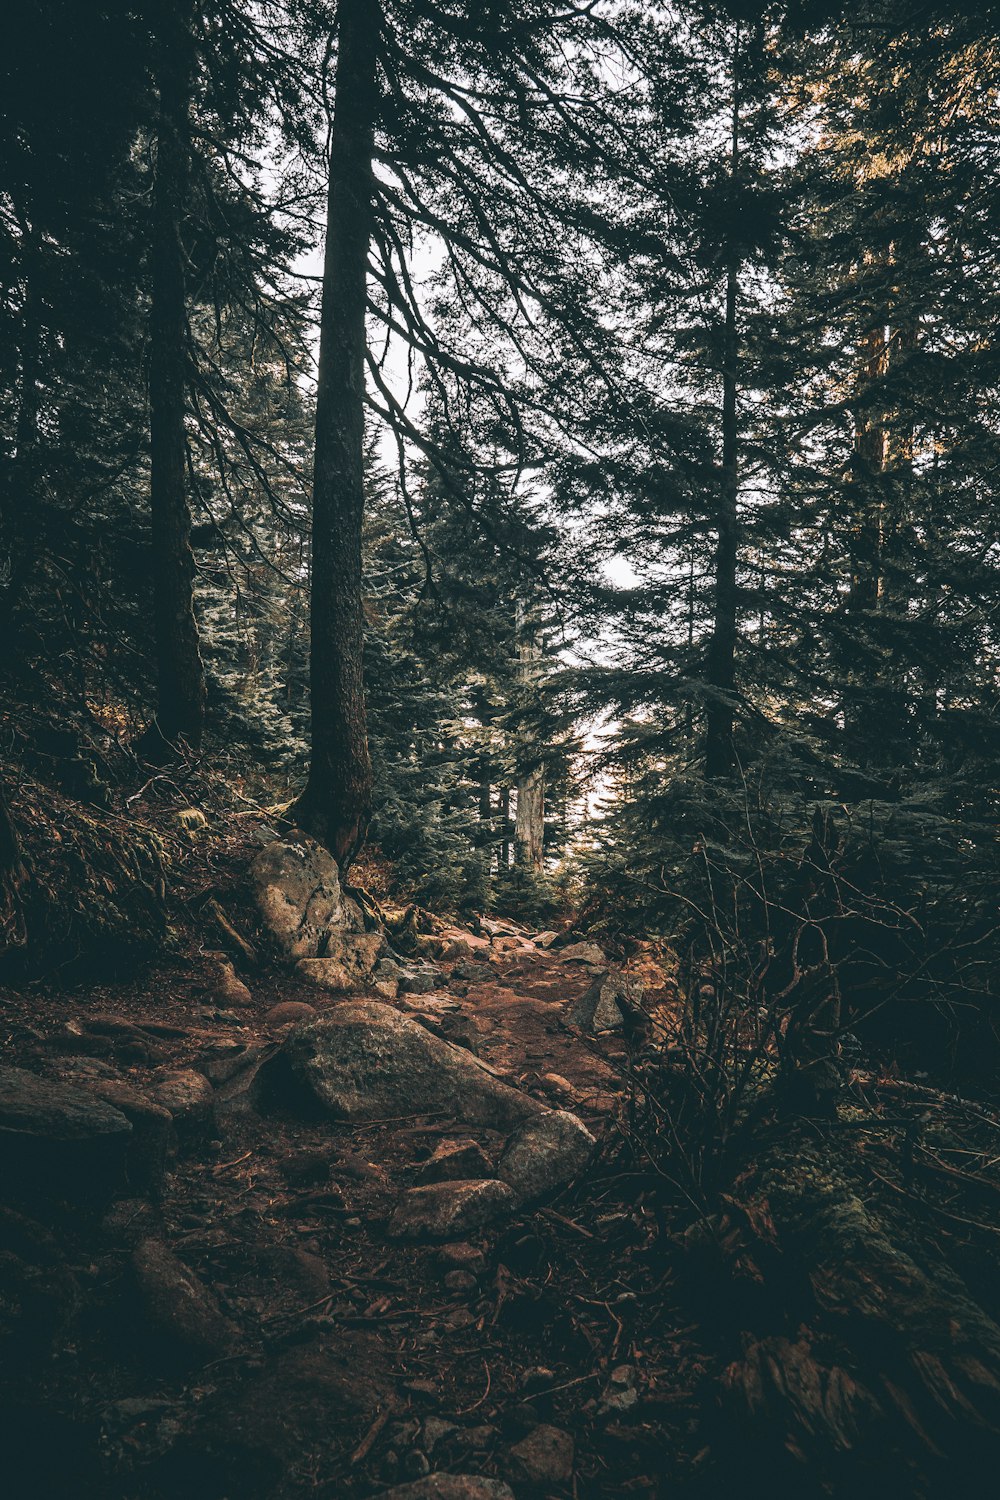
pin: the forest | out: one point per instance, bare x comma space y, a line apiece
499, 742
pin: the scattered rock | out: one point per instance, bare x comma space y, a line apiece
621, 1393
474, 973
189, 1097
307, 1168
449, 1487
226, 988
419, 982
288, 1013
347, 963
537, 1378
544, 1153
446, 1209
461, 1281
583, 953
454, 950
362, 1060
467, 1257
244, 1089
598, 1009
546, 939
58, 1140
456, 1161
545, 1456
435, 1430
296, 885
181, 1310
191, 819
556, 1084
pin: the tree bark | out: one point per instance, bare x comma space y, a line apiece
529, 825
336, 803
180, 673
13, 879
721, 665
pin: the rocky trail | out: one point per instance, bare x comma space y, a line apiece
299, 1218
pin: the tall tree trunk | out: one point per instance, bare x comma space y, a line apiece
721, 664
529, 826
336, 803
180, 684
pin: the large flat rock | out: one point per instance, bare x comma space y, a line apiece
362, 1060
57, 1140
449, 1210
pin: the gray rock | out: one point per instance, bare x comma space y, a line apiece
418, 982
361, 1060
242, 1091
546, 939
58, 1140
296, 885
455, 1161
347, 963
435, 1430
189, 1097
621, 1393
474, 973
461, 1281
181, 1311
583, 953
449, 1487
545, 1456
288, 1013
467, 1257
598, 1009
544, 1153
446, 1210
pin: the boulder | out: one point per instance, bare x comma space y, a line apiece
598, 1008
544, 1457
182, 1313
58, 1140
296, 885
288, 1013
546, 939
455, 1161
189, 1097
449, 1487
419, 982
447, 1210
583, 953
544, 1153
361, 1060
474, 973
348, 961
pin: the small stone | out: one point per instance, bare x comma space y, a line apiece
306, 1168
583, 953
621, 1393
456, 1161
556, 1084
444, 1209
435, 1431
228, 988
537, 1378
545, 1456
181, 1310
461, 1281
190, 1099
463, 1255
288, 1013
546, 939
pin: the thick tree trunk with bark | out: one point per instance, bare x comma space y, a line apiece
721, 665
13, 878
180, 684
336, 803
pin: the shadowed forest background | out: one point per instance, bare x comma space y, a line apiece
517, 488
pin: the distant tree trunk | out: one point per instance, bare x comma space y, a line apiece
505, 824
721, 664
20, 523
180, 672
336, 803
529, 827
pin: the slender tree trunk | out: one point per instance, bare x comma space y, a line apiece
529, 827
336, 803
20, 523
180, 673
721, 665
505, 824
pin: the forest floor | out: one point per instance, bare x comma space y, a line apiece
571, 1352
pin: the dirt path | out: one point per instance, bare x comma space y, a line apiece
549, 1353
